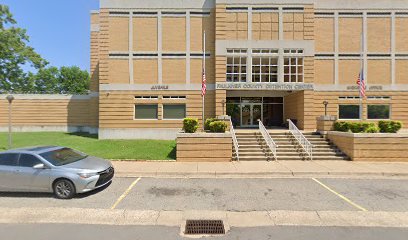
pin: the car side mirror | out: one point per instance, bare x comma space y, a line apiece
39, 166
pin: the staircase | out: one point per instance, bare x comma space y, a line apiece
252, 147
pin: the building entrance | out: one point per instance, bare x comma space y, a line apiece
245, 112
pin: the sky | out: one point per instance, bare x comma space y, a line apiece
59, 30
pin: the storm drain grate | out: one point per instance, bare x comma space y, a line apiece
204, 227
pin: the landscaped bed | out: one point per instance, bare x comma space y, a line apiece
89, 144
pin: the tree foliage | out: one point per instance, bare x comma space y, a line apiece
15, 54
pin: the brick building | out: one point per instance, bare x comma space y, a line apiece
265, 59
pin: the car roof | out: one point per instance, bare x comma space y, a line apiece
33, 150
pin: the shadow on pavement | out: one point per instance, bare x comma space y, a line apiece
50, 195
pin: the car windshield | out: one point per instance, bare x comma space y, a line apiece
63, 156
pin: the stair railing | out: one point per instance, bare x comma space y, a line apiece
268, 139
301, 139
234, 140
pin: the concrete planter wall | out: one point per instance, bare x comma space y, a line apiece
204, 147
381, 147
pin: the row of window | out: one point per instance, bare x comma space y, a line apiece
151, 111
374, 112
21, 160
265, 65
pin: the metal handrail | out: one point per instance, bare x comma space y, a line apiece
302, 140
234, 140
268, 139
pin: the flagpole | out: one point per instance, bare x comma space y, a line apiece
362, 72
203, 95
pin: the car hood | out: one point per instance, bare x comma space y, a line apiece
90, 163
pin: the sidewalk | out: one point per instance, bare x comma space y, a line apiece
260, 169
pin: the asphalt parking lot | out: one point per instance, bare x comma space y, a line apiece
178, 194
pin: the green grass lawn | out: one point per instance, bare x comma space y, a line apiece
89, 144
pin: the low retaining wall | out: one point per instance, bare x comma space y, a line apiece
381, 147
50, 112
204, 147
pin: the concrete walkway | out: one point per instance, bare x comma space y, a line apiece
260, 169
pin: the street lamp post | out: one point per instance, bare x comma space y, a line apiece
10, 99
325, 103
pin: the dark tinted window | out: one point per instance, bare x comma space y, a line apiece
349, 112
28, 160
63, 156
8, 159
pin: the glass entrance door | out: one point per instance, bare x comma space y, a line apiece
250, 113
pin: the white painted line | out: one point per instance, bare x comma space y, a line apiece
125, 193
341, 196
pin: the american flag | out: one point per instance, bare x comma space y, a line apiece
203, 84
361, 84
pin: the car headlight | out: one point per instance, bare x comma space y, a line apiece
87, 175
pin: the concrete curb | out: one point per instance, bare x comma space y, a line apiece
177, 218
259, 175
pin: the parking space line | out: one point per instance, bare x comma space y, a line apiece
341, 196
125, 193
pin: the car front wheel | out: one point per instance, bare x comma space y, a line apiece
64, 189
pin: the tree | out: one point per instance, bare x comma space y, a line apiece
15, 53
73, 80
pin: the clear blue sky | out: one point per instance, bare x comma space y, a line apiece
59, 29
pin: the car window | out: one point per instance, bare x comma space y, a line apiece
28, 160
63, 156
8, 159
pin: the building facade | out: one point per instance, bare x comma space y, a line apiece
265, 59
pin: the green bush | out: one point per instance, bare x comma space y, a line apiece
389, 126
190, 125
372, 129
207, 123
218, 127
341, 126
360, 127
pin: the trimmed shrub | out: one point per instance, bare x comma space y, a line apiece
218, 127
360, 127
389, 126
207, 123
341, 126
372, 129
190, 125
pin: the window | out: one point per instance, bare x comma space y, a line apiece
236, 65
293, 69
28, 160
378, 111
146, 97
349, 112
264, 69
265, 51
174, 97
63, 156
173, 111
8, 159
146, 111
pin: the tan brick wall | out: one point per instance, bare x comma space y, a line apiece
220, 22
299, 106
401, 34
118, 34
350, 37
348, 71
379, 72
401, 71
94, 61
372, 147
324, 37
144, 34
65, 112
145, 71
103, 46
379, 34
308, 69
174, 71
324, 72
204, 148
117, 108
265, 26
174, 34
236, 25
118, 71
196, 71
198, 25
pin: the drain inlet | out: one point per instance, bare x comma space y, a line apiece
204, 227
